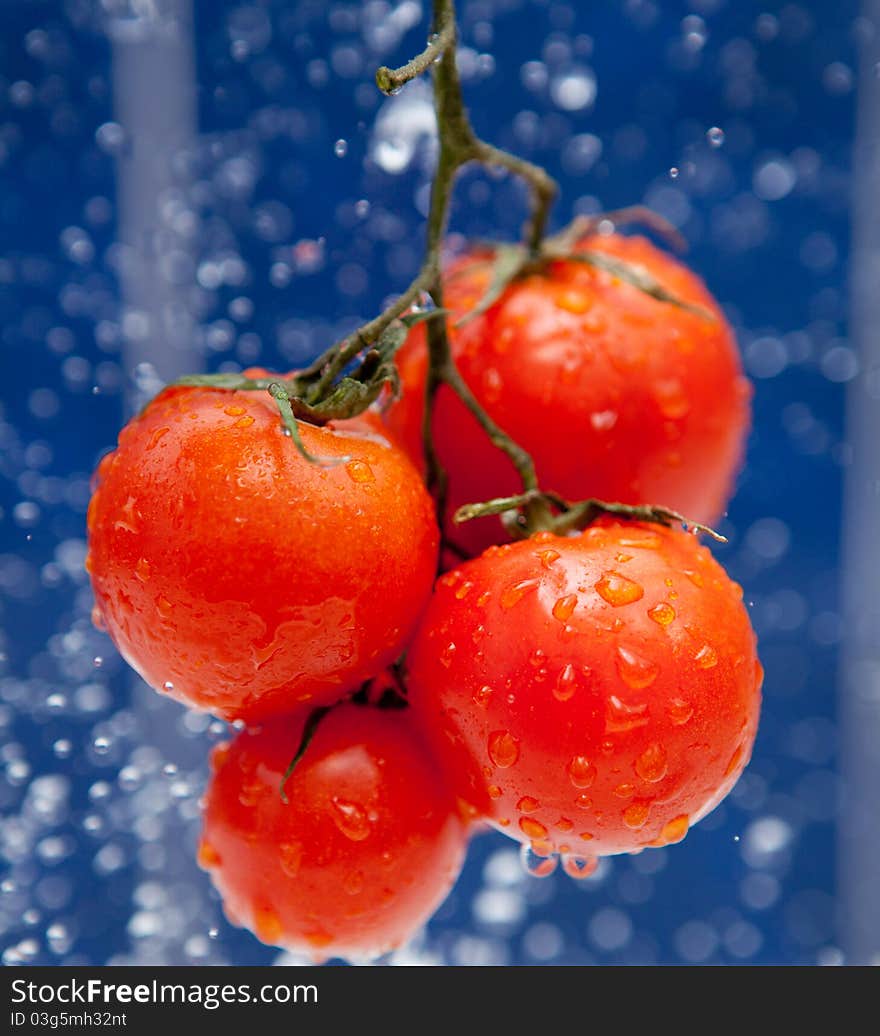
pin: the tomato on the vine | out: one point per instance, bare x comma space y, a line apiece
592, 694
615, 393
241, 578
366, 846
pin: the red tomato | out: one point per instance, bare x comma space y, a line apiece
242, 579
592, 694
615, 394
365, 849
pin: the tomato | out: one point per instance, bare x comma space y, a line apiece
240, 578
366, 847
615, 394
591, 694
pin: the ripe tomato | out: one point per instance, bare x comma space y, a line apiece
593, 694
239, 577
615, 394
362, 853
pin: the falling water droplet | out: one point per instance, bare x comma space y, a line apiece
534, 864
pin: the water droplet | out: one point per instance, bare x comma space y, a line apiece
679, 711
267, 925
101, 745
447, 655
567, 683
359, 471
213, 933
483, 695
537, 658
515, 593
290, 858
603, 420
464, 590
244, 422
583, 801
635, 671
564, 606
547, 557
564, 824
527, 804
673, 173
579, 867
97, 661
234, 411
617, 590
503, 748
98, 620
494, 791
675, 830
672, 399
534, 864
207, 855
581, 771
168, 686
164, 607
142, 570
351, 819
573, 301
652, 764
636, 815
621, 717
353, 883
663, 614
715, 136
706, 657
734, 761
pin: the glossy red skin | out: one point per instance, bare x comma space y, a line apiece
615, 394
226, 565
366, 849
661, 718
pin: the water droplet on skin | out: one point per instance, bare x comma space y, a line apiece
672, 399
353, 883
527, 804
351, 819
483, 695
463, 590
679, 711
359, 471
579, 867
164, 607
535, 865
566, 683
503, 749
532, 828
515, 593
564, 607
636, 815
603, 420
547, 557
447, 655
142, 570
583, 802
675, 829
494, 791
537, 658
244, 422
635, 671
234, 411
581, 771
652, 764
617, 590
696, 578
564, 824
156, 437
734, 761
706, 657
621, 717
663, 614
574, 302
290, 858
207, 855
98, 620
267, 925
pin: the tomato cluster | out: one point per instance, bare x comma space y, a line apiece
590, 693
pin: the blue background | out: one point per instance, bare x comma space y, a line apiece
99, 860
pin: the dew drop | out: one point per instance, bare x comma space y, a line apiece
447, 655
636, 815
351, 819
503, 748
515, 593
663, 614
617, 590
652, 764
359, 471
706, 657
527, 804
566, 683
635, 671
547, 557
621, 717
675, 830
536, 865
579, 867
679, 711
483, 695
581, 771
564, 607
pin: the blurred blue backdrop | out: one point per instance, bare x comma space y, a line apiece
293, 207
